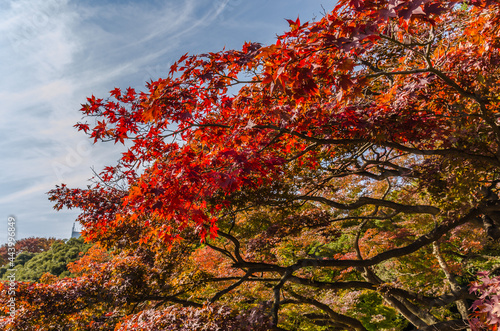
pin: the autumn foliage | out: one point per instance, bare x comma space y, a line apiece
342, 178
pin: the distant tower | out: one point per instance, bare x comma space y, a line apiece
74, 233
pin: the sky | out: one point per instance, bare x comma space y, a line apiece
56, 53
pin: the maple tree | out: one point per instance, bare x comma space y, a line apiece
487, 307
344, 178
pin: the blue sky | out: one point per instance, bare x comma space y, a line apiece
55, 53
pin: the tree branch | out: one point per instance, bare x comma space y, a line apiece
348, 321
363, 201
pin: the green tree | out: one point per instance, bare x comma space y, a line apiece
31, 266
30, 245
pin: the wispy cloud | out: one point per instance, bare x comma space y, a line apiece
54, 53
38, 34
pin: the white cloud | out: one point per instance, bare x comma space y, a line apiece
38, 33
54, 53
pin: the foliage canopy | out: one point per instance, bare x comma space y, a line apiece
344, 178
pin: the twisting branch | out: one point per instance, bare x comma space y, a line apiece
462, 306
237, 246
277, 296
221, 250
219, 294
346, 321
364, 201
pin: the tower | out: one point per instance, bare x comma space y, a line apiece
74, 233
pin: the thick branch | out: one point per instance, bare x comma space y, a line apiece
443, 152
389, 254
237, 246
277, 297
396, 252
333, 285
455, 288
173, 299
443, 300
403, 309
364, 201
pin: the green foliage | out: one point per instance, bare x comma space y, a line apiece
342, 245
29, 245
20, 260
31, 266
375, 316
